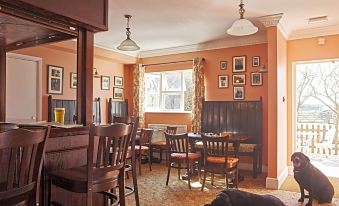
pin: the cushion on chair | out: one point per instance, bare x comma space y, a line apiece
247, 147
231, 161
137, 148
159, 144
191, 156
75, 179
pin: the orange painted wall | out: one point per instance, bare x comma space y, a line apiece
305, 50
64, 54
212, 70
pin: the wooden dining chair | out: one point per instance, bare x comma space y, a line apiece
21, 154
142, 149
106, 172
160, 146
180, 157
134, 121
217, 160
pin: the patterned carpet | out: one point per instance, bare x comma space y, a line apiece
154, 192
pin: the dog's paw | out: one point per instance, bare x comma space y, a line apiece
301, 200
309, 204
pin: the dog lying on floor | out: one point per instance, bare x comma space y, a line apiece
233, 197
311, 179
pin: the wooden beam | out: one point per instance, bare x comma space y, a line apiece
85, 76
2, 85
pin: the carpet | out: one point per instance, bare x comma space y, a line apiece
154, 192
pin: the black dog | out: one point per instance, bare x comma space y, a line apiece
233, 197
311, 179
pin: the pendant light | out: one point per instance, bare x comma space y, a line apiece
128, 44
242, 26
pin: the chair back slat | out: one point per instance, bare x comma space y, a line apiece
215, 145
177, 143
146, 136
21, 154
171, 129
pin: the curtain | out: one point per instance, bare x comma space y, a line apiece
139, 93
198, 93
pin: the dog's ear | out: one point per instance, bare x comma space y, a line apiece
293, 155
306, 158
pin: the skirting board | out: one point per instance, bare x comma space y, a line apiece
275, 183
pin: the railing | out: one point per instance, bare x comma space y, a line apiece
310, 134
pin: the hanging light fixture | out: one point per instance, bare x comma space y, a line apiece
242, 26
128, 44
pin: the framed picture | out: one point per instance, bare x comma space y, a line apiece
118, 93
239, 64
105, 82
118, 81
255, 61
223, 65
223, 81
55, 79
239, 79
256, 79
74, 80
238, 93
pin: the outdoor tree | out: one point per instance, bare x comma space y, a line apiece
303, 91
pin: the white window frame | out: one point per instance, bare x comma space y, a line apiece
163, 93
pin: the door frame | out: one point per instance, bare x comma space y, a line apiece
38, 60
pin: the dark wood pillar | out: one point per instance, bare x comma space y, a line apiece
85, 76
2, 85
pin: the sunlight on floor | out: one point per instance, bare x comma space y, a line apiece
329, 165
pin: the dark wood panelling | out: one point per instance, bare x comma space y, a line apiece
69, 105
85, 76
243, 117
2, 85
97, 111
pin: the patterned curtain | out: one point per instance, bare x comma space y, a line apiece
139, 93
198, 93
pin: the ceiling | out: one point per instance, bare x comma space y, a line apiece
157, 25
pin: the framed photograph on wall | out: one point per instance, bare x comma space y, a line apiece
239, 79
223, 65
255, 61
239, 64
118, 81
74, 80
238, 93
105, 82
223, 81
118, 93
256, 79
55, 79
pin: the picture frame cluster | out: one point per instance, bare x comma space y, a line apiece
239, 75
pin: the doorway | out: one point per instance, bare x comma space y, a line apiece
317, 113
23, 88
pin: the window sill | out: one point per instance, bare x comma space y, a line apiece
168, 112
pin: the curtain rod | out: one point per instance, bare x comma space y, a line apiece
162, 63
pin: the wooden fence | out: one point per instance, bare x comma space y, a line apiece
309, 134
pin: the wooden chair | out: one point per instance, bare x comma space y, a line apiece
179, 156
143, 148
21, 154
106, 172
216, 159
160, 146
134, 121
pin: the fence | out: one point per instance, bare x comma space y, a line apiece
309, 135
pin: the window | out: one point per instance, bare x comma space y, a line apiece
169, 91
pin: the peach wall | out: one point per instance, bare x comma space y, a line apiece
64, 54
305, 50
212, 70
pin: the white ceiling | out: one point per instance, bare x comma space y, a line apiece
163, 24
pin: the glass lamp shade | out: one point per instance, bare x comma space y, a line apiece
242, 27
128, 45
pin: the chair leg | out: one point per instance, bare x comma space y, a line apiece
203, 181
168, 172
237, 178
189, 175
139, 160
121, 182
260, 160
179, 166
212, 179
150, 160
226, 180
255, 163
49, 190
135, 182
160, 154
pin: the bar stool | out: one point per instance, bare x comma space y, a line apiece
20, 174
106, 172
134, 121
